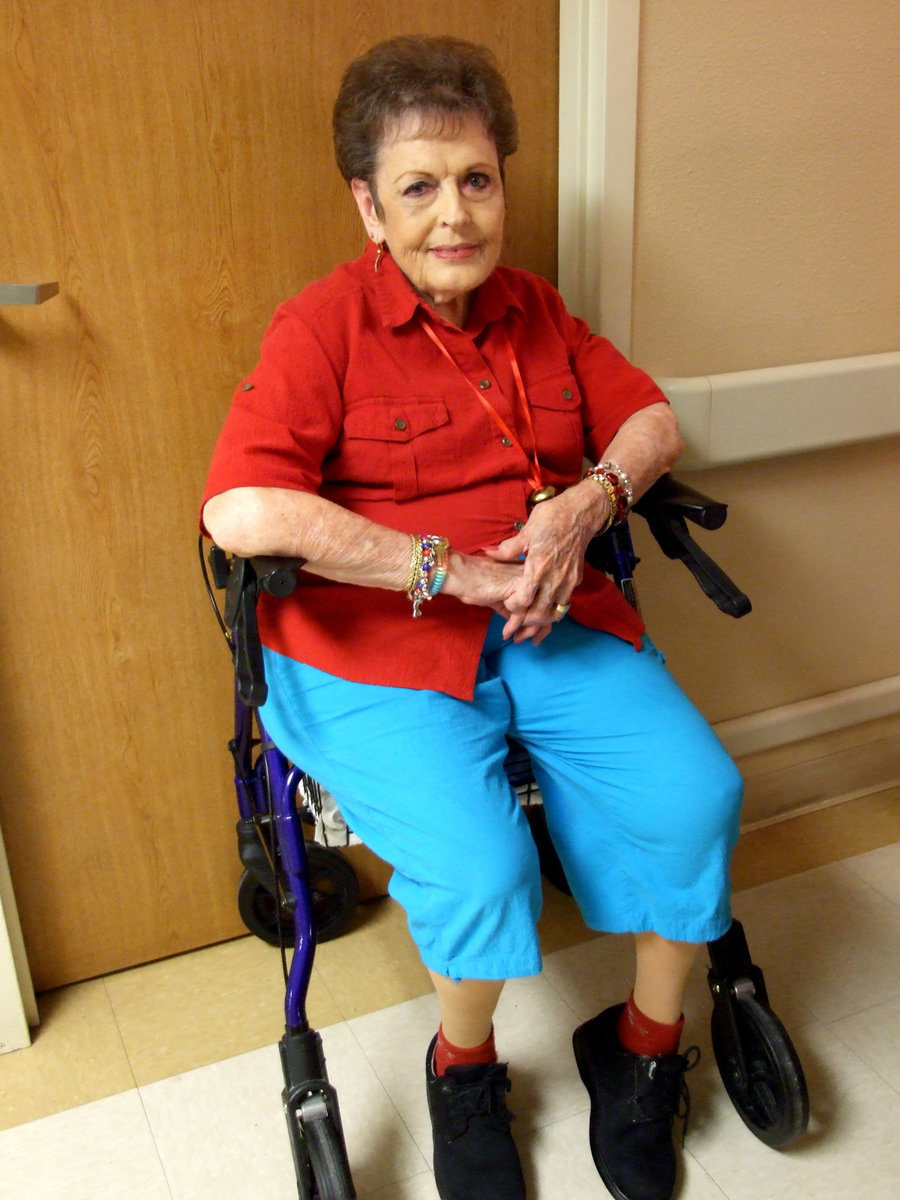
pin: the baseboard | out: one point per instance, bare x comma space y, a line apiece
803, 810
810, 718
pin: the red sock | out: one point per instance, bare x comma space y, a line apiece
642, 1035
447, 1055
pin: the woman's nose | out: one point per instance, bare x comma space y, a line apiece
453, 208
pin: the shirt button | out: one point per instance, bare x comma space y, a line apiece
518, 525
246, 387
399, 423
567, 395
484, 384
507, 441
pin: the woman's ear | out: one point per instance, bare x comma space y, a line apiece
365, 202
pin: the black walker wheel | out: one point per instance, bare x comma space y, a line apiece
334, 889
313, 1119
760, 1069
320, 1156
327, 1154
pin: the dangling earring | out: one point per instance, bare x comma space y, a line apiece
378, 256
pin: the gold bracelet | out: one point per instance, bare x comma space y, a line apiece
607, 486
415, 565
617, 486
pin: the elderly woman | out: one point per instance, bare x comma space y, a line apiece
416, 430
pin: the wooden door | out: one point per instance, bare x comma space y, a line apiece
169, 163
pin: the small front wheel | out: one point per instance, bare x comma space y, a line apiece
761, 1071
331, 1178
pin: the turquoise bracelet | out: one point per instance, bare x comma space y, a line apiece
428, 568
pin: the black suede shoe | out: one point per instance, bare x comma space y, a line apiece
475, 1157
634, 1100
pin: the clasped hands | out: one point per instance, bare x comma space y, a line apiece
529, 578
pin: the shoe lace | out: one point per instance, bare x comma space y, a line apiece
666, 1095
484, 1097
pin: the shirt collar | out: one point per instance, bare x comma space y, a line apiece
398, 300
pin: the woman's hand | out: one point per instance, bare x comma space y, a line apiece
555, 537
553, 542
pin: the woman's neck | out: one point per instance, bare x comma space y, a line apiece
455, 310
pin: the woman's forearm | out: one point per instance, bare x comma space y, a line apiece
646, 445
337, 544
341, 545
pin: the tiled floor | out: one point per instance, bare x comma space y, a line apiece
164, 1082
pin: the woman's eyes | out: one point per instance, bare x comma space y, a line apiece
475, 181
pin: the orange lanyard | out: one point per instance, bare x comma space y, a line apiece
540, 490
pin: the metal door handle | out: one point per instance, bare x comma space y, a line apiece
27, 293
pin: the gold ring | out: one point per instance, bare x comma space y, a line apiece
562, 609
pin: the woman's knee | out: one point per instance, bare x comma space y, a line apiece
707, 793
496, 869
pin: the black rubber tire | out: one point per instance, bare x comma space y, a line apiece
331, 1178
260, 912
772, 1100
300, 1153
334, 888
335, 895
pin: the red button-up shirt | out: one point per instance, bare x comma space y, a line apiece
352, 400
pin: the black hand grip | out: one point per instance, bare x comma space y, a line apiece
671, 494
664, 507
248, 660
277, 576
246, 578
670, 531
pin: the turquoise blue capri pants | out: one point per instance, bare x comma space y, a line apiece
641, 799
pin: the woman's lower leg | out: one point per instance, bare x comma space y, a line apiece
467, 1008
662, 969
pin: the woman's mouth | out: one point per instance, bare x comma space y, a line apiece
454, 253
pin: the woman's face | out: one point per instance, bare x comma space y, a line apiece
440, 208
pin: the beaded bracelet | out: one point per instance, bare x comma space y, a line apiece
610, 495
618, 487
427, 568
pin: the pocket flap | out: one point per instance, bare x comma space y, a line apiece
388, 419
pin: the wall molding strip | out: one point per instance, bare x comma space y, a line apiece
747, 415
810, 718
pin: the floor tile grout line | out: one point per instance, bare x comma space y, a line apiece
874, 887
382, 1084
831, 1026
317, 975
700, 1167
121, 1035
137, 1090
157, 1151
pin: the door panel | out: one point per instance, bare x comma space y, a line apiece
169, 163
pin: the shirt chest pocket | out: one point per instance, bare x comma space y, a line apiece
556, 414
390, 443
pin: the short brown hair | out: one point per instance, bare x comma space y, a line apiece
436, 76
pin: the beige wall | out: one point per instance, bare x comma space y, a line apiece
767, 197
768, 185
